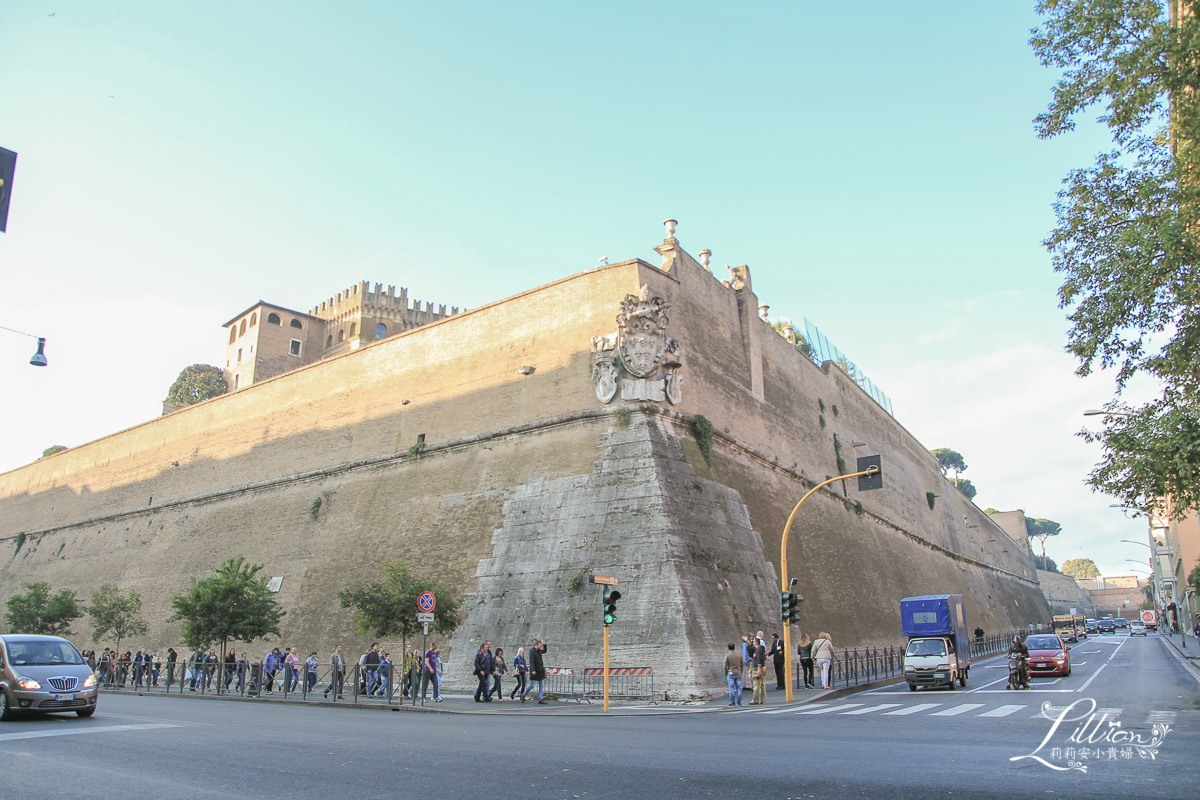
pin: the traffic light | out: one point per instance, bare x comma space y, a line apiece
794, 608
611, 596
785, 603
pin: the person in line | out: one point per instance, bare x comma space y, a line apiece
385, 675
371, 664
196, 668
823, 654
172, 659
291, 663
429, 673
499, 668
210, 667
269, 668
778, 654
310, 672
978, 634
484, 664
155, 667
806, 659
337, 674
747, 657
230, 668
521, 671
760, 671
537, 670
243, 666
733, 675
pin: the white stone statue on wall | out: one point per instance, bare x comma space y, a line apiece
649, 360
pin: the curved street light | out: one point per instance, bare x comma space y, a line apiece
39, 358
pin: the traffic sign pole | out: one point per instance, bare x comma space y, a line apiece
605, 669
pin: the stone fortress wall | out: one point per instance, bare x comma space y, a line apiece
528, 479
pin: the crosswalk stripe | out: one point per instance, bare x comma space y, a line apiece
1002, 711
954, 712
794, 709
901, 712
870, 709
843, 707
1165, 717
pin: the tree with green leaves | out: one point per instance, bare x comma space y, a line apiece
966, 487
949, 460
1127, 239
115, 613
1045, 563
232, 605
389, 607
38, 612
197, 383
1080, 568
52, 449
1042, 529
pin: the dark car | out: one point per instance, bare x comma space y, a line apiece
1106, 625
44, 673
1048, 655
1121, 622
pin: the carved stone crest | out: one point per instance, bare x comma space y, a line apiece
639, 359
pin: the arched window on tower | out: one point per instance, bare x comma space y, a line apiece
341, 336
381, 331
296, 323
253, 319
242, 328
273, 319
329, 340
353, 328
232, 333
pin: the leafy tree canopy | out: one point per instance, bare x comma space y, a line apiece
390, 606
1045, 563
1080, 568
1126, 238
949, 460
232, 605
966, 487
52, 449
1042, 529
120, 615
39, 612
197, 383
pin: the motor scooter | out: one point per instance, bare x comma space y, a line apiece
1018, 673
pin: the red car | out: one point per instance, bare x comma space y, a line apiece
1048, 655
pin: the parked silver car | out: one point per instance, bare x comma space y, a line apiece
39, 674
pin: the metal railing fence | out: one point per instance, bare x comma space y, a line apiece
624, 683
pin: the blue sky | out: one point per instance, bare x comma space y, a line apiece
874, 164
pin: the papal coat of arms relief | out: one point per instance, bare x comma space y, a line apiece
639, 359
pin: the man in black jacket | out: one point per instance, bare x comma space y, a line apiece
484, 664
777, 654
537, 671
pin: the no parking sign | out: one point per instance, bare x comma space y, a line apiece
426, 601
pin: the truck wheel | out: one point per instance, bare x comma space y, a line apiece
962, 680
950, 685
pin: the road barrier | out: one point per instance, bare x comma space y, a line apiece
560, 682
624, 683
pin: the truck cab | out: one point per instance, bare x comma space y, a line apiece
932, 661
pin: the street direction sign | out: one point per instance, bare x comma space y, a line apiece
426, 601
602, 579
427, 617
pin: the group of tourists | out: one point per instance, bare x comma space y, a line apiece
490, 669
750, 664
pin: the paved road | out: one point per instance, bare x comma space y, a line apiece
884, 743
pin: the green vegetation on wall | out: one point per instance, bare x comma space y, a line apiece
704, 437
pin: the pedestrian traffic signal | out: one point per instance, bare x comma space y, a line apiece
611, 596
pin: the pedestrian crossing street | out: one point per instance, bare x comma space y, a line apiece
984, 710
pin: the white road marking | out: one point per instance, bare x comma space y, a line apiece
794, 709
871, 709
993, 683
844, 707
1002, 711
110, 715
42, 734
1102, 666
954, 712
1164, 717
903, 712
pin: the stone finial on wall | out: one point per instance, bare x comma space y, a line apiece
649, 359
705, 257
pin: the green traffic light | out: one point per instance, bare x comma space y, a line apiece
611, 596
609, 619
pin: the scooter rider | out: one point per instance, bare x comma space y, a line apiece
1019, 650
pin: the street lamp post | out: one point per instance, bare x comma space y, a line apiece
39, 358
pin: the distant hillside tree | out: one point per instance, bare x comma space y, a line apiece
232, 605
1044, 563
197, 383
1080, 568
120, 615
52, 449
390, 606
966, 487
39, 612
950, 460
1042, 529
